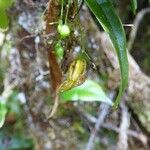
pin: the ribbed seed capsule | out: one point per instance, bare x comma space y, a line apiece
75, 75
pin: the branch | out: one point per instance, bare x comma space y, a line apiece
91, 119
103, 112
125, 123
136, 24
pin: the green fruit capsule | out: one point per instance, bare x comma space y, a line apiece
63, 30
59, 51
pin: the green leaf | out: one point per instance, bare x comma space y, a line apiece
134, 5
3, 111
88, 91
4, 22
4, 4
105, 14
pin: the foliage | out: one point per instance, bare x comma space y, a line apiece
9, 106
14, 141
3, 111
4, 5
89, 91
134, 5
105, 13
4, 20
11, 135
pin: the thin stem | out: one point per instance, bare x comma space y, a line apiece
55, 106
83, 48
80, 6
52, 23
68, 5
62, 9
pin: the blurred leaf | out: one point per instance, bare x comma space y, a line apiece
3, 20
88, 91
4, 4
105, 14
3, 111
79, 128
15, 142
134, 5
13, 104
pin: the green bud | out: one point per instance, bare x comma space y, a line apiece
59, 51
63, 30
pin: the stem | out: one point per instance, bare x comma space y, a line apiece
68, 5
55, 106
62, 9
83, 46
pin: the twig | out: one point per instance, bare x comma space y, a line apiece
128, 25
138, 135
7, 91
50, 35
91, 119
125, 123
136, 23
104, 110
54, 108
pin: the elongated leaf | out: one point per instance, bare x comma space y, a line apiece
105, 14
134, 5
88, 91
